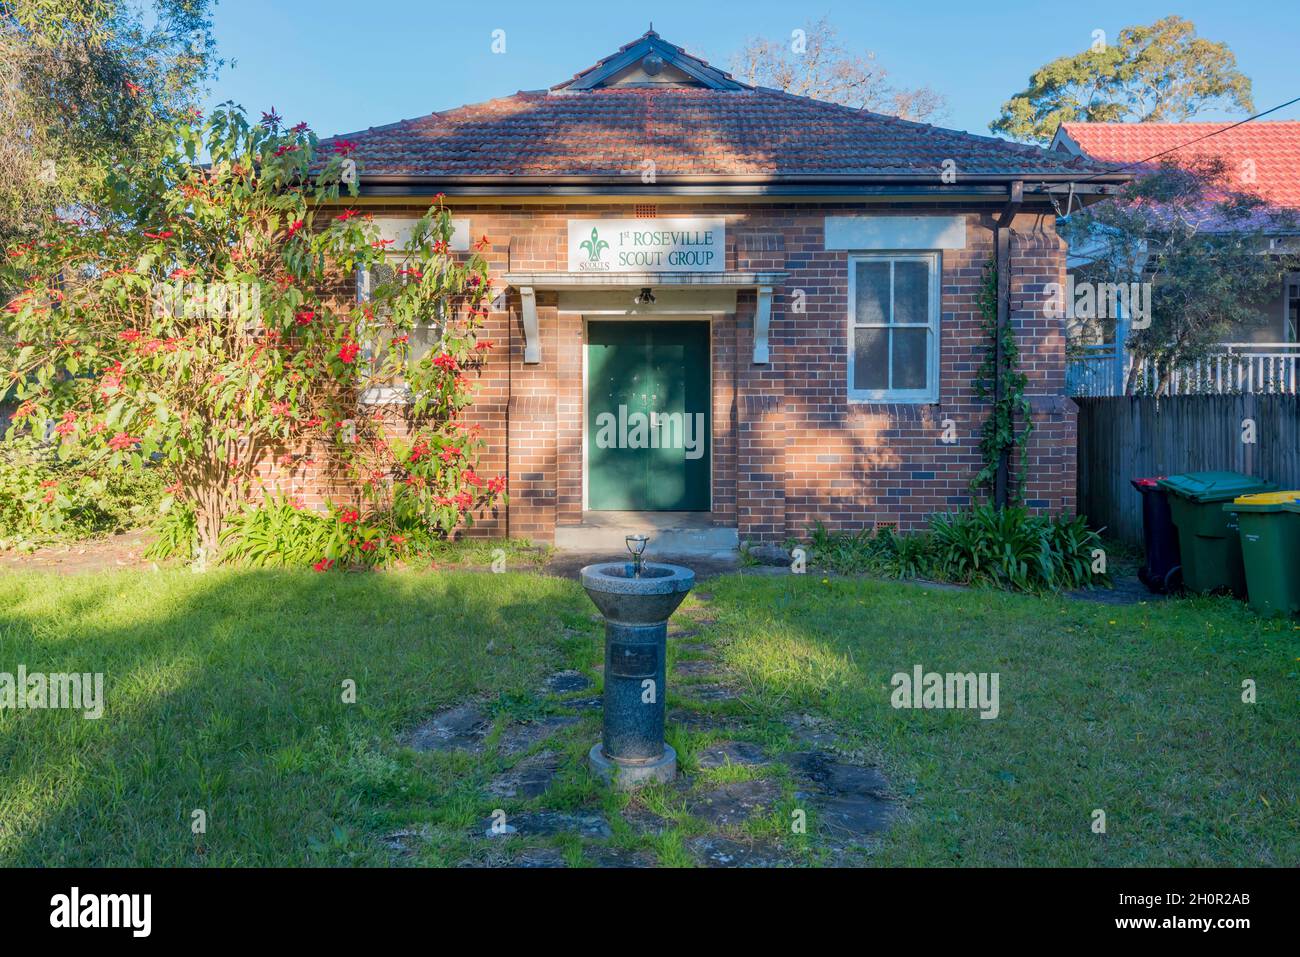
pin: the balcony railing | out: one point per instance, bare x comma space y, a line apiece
1232, 369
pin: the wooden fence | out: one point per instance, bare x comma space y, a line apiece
1124, 437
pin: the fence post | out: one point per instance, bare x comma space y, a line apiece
1121, 340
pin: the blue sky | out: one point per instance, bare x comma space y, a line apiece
344, 65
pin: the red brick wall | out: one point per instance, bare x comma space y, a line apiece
789, 449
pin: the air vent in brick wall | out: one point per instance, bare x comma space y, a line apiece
646, 211
880, 527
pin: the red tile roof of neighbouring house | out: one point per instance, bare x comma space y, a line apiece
711, 127
1272, 147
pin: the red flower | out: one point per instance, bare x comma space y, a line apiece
324, 565
135, 89
368, 546
481, 244
304, 317
473, 478
483, 345
344, 147
497, 485
129, 335
68, 425
173, 488
50, 483
121, 442
347, 214
48, 497
348, 352
295, 226
419, 450
349, 516
449, 453
165, 234
286, 148
280, 408
446, 362
179, 273
111, 381
397, 539
464, 501
382, 243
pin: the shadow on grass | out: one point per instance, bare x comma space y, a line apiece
225, 694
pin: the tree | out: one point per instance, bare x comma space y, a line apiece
1202, 246
814, 63
205, 318
1158, 73
83, 82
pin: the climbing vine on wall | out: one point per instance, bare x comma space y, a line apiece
999, 431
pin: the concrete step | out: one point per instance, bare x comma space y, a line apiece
671, 533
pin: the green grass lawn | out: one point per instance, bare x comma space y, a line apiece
224, 693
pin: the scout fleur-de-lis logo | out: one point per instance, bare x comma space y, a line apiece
593, 246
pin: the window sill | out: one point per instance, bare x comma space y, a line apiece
893, 399
385, 395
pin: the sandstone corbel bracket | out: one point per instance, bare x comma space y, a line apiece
532, 340
762, 320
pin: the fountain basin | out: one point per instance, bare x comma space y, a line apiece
621, 596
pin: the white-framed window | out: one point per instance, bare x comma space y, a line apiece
894, 327
423, 339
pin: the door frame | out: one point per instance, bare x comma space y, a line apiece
582, 406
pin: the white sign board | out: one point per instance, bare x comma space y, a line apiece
647, 245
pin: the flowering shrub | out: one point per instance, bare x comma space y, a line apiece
43, 498
204, 317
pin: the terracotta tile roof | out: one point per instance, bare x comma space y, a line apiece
1274, 148
685, 131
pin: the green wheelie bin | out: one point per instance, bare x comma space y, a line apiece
1208, 543
1270, 549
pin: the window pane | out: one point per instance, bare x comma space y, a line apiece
911, 291
910, 358
872, 292
870, 358
422, 340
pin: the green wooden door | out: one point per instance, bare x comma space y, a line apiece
648, 416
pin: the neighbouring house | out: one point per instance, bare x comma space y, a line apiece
1262, 156
732, 310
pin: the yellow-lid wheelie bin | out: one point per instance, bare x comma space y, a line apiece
1270, 549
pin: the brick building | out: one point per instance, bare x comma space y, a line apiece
735, 311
